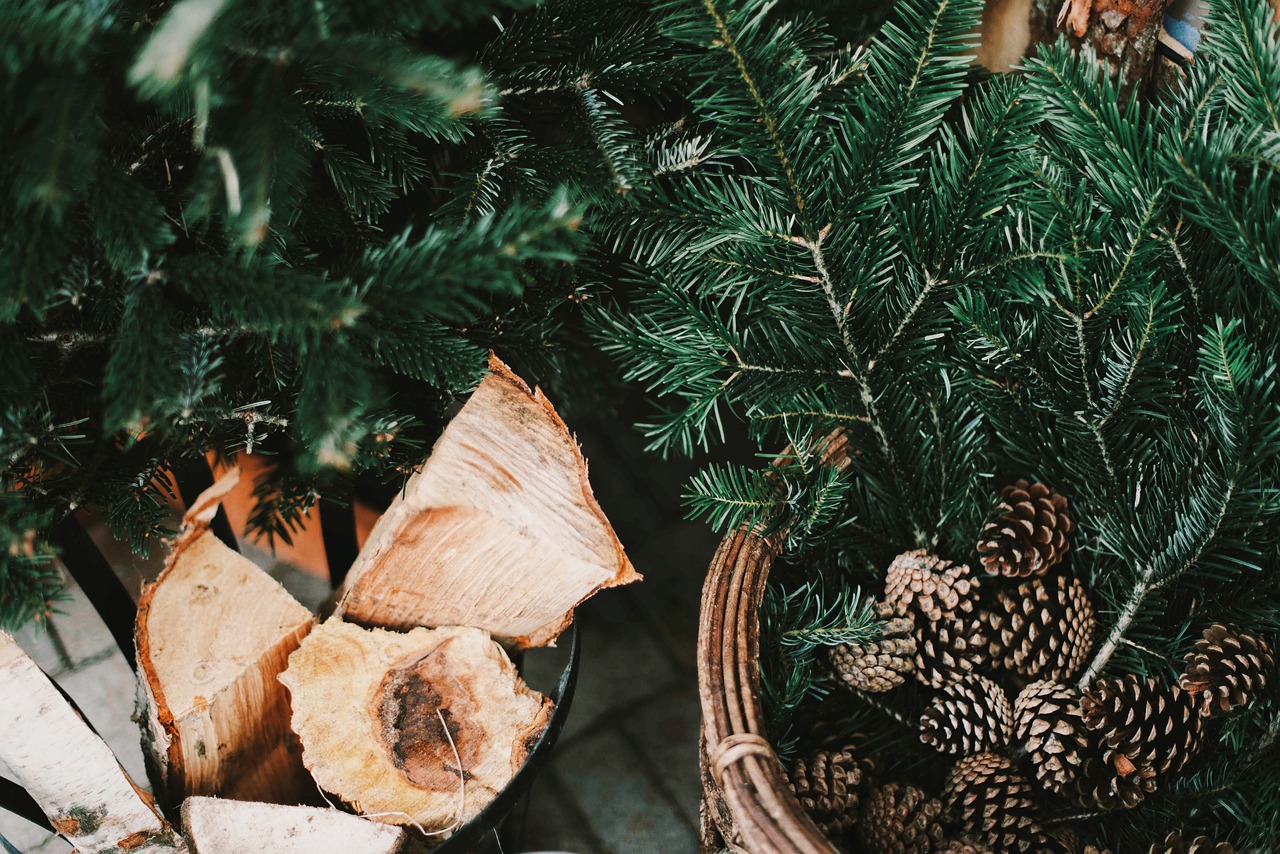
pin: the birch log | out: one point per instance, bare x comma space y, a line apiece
423, 727
499, 530
217, 826
213, 633
68, 770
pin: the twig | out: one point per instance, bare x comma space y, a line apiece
883, 709
1108, 648
1147, 583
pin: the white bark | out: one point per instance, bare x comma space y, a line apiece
216, 826
68, 770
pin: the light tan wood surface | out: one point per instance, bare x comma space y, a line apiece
417, 727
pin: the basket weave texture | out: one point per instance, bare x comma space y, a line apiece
746, 803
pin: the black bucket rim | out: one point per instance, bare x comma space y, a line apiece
496, 811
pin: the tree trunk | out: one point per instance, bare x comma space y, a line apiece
1123, 33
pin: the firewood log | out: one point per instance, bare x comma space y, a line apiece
422, 727
213, 633
68, 770
217, 826
499, 530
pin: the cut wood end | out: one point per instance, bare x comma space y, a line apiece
500, 529
217, 826
212, 634
368, 704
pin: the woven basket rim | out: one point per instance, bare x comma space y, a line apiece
745, 793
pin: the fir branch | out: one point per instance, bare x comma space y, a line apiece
767, 118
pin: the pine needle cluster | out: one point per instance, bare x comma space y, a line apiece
289, 228
980, 279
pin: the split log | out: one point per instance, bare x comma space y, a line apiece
213, 633
89, 799
216, 826
499, 530
423, 727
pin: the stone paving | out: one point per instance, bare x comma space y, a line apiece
624, 776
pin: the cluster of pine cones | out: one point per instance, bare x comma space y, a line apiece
1002, 666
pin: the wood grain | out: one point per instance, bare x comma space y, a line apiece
499, 530
381, 713
213, 633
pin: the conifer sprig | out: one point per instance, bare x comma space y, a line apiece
293, 229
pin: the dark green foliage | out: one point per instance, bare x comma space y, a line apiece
979, 282
291, 228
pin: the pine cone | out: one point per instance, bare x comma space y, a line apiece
899, 819
882, 664
993, 803
945, 651
1030, 534
1042, 629
969, 716
826, 784
1174, 843
1067, 841
1109, 780
936, 588
1048, 723
962, 845
1149, 722
1228, 668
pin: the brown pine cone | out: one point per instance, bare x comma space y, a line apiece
1064, 840
882, 664
962, 845
938, 597
899, 819
1149, 722
1175, 843
1109, 780
1029, 536
1048, 724
1228, 668
969, 716
945, 650
1042, 629
827, 784
920, 582
993, 803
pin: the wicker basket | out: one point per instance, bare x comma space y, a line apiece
746, 803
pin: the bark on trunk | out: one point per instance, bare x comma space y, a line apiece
89, 799
1123, 33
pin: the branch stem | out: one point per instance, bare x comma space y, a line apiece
1108, 648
